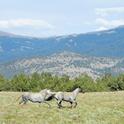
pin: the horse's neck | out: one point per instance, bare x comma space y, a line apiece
75, 93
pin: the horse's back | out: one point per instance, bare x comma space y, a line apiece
59, 95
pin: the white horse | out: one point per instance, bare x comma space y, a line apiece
40, 97
61, 96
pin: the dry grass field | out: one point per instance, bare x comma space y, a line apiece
93, 108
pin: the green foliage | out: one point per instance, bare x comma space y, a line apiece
3, 83
37, 82
117, 84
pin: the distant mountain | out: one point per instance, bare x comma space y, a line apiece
108, 43
68, 63
2, 33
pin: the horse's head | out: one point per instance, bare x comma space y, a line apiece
79, 89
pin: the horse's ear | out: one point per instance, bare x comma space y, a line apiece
78, 87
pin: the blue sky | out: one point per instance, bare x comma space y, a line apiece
44, 18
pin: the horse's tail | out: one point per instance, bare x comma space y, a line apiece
18, 98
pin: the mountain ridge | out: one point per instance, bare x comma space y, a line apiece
68, 63
108, 43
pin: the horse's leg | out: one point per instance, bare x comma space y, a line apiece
25, 100
47, 104
21, 101
39, 103
71, 103
75, 104
59, 104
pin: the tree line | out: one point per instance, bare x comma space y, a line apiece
36, 82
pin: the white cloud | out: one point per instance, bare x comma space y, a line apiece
101, 28
107, 11
109, 17
106, 24
35, 23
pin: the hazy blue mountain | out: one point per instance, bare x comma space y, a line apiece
108, 43
2, 33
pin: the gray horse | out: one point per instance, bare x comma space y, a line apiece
40, 97
61, 96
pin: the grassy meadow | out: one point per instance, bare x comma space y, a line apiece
93, 108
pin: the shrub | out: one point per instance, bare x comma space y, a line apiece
36, 82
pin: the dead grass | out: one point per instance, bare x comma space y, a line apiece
93, 108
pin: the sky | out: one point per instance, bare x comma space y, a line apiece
44, 18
